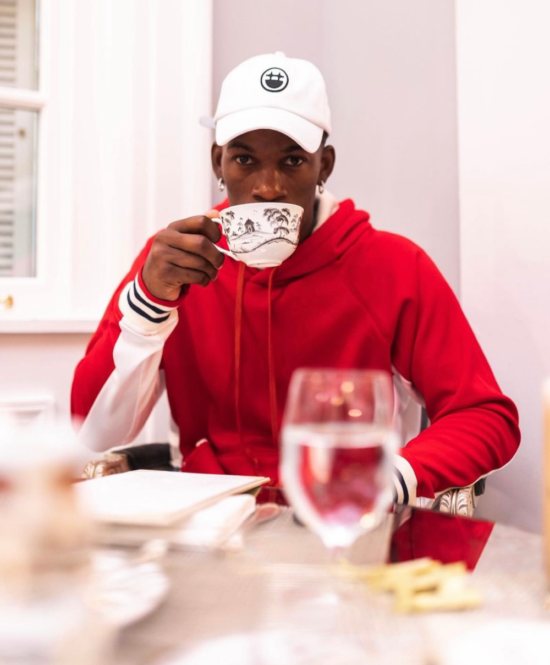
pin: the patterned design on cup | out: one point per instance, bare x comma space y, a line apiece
267, 232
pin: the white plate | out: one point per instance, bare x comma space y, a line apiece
502, 641
123, 592
277, 647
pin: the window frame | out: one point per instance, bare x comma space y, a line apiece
59, 297
33, 296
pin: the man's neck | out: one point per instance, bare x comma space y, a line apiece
326, 206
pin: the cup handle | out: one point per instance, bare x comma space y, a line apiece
217, 220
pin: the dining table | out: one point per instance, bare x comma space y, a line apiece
280, 598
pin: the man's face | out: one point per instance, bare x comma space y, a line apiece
266, 166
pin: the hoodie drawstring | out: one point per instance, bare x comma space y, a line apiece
238, 331
272, 384
270, 362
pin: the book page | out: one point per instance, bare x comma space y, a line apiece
157, 497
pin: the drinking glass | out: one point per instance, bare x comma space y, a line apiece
338, 447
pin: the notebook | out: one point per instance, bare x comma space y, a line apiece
157, 498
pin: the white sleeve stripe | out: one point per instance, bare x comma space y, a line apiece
401, 481
397, 490
150, 308
143, 312
125, 401
141, 320
144, 306
155, 307
405, 480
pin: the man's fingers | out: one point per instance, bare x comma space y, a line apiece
196, 244
193, 261
184, 253
190, 276
200, 225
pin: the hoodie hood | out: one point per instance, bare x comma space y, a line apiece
326, 244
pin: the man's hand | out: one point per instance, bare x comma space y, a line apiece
184, 253
109, 465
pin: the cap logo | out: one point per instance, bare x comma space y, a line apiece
274, 79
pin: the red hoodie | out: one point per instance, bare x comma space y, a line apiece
350, 296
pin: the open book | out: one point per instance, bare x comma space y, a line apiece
157, 498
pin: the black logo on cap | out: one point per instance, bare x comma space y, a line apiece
274, 79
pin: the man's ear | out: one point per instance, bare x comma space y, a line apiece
216, 156
328, 159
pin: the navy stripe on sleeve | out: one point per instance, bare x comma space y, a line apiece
403, 485
144, 314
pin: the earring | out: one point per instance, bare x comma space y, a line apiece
321, 187
221, 184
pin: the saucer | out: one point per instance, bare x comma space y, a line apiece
122, 592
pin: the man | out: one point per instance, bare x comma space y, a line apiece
224, 338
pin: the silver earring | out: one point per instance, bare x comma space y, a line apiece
221, 184
321, 187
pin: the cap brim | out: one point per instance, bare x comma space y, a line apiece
305, 133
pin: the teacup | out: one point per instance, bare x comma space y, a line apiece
262, 235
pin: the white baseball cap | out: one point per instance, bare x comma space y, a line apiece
272, 91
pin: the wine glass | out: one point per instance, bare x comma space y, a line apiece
338, 447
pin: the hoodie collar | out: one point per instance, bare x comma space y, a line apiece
327, 205
338, 227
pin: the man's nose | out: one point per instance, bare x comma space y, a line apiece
269, 186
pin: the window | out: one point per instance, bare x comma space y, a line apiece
99, 146
19, 110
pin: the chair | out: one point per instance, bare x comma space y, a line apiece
146, 456
460, 500
457, 501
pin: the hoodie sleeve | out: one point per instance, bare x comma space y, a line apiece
474, 427
118, 382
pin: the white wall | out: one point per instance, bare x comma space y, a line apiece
135, 88
390, 73
125, 93
41, 366
504, 129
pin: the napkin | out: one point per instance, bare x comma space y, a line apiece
213, 526
157, 498
502, 641
210, 528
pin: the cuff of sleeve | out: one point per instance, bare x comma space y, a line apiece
152, 300
404, 481
142, 313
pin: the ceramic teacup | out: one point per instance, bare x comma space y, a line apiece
262, 235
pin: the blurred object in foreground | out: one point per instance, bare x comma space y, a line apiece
546, 479
423, 585
42, 534
440, 536
109, 465
44, 553
502, 641
338, 450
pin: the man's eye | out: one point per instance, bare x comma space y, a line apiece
294, 160
244, 160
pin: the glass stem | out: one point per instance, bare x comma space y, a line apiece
338, 554
338, 564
